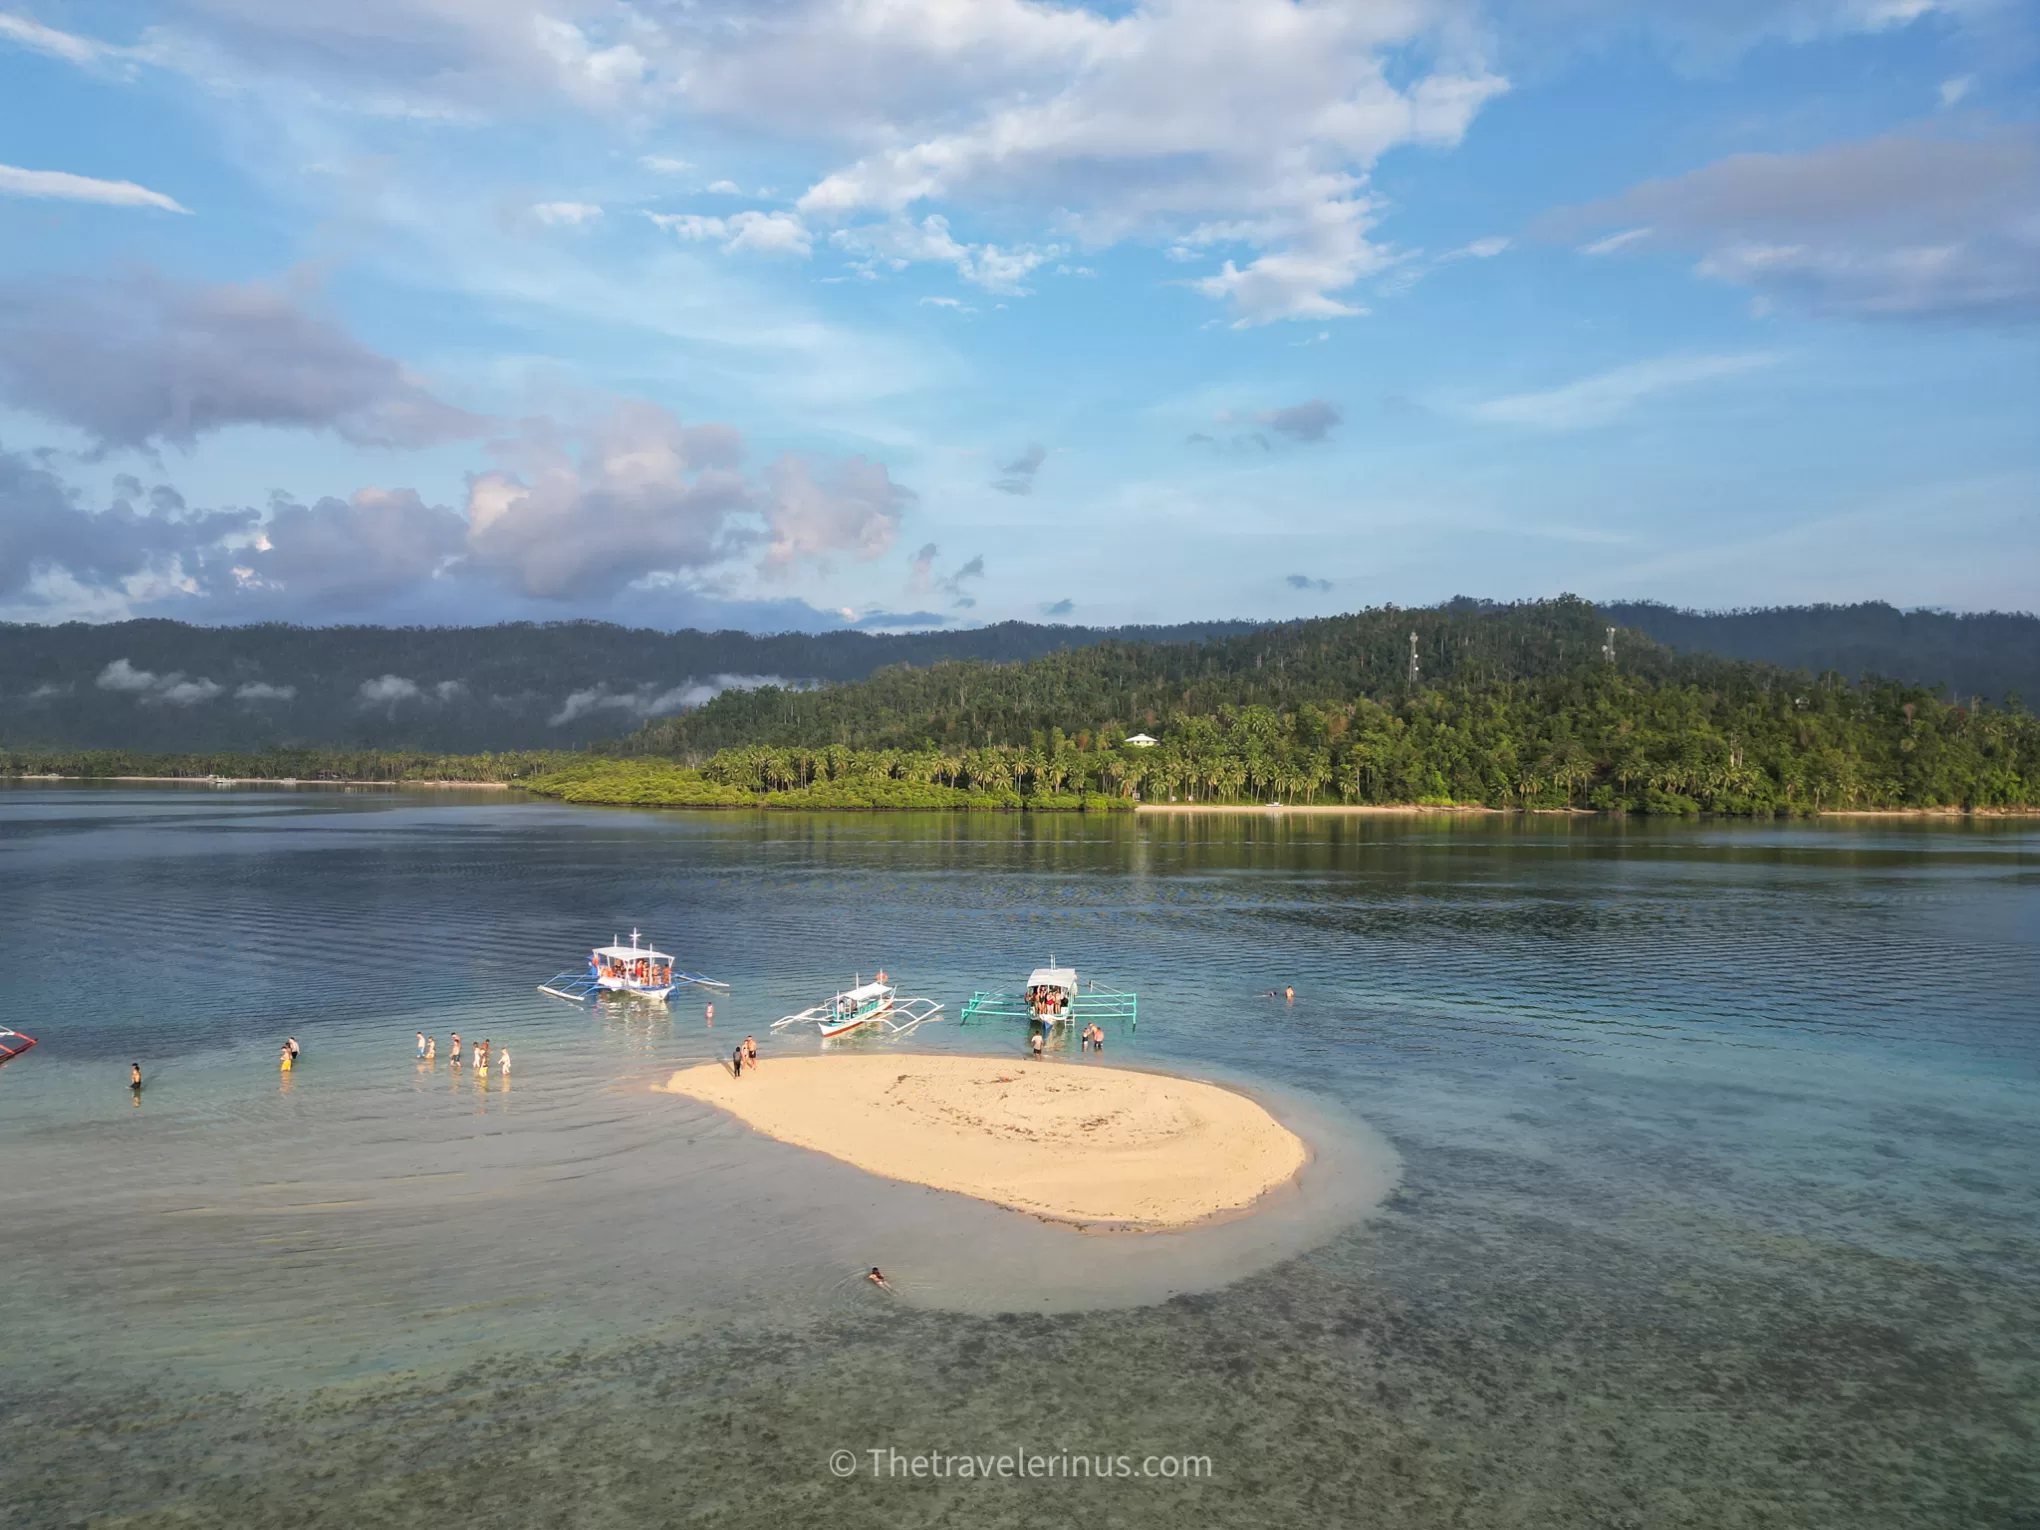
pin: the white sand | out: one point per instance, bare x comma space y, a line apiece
1064, 1140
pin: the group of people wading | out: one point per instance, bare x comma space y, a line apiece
483, 1053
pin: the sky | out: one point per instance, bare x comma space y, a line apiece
804, 314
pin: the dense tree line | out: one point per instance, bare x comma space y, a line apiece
1124, 686
1526, 706
1993, 654
166, 686
282, 764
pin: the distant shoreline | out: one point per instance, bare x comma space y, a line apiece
478, 786
1399, 809
1312, 809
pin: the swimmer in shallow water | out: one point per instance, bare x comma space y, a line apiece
135, 1078
877, 1278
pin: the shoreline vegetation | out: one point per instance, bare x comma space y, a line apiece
1538, 707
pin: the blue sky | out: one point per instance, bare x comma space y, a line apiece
812, 312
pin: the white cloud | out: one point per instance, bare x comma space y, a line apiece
121, 675
649, 701
902, 242
1478, 249
636, 494
851, 506
171, 689
725, 189
41, 39
63, 186
1606, 396
387, 690
259, 690
1954, 90
1615, 242
1900, 227
1252, 124
663, 164
774, 233
567, 214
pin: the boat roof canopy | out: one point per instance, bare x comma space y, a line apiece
1053, 977
865, 991
632, 954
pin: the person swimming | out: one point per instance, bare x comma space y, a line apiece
877, 1278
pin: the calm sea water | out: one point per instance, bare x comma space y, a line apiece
1719, 1199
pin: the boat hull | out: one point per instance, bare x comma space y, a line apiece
841, 1027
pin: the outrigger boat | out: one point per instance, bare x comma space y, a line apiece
875, 1003
13, 1043
1054, 997
618, 968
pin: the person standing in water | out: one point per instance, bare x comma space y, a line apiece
432, 1049
290, 1045
504, 1065
135, 1079
286, 1057
711, 1014
456, 1049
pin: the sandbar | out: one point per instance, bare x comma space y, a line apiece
1100, 1147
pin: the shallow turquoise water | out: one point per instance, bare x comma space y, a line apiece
1720, 1171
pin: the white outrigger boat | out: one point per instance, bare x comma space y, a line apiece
876, 1003
619, 968
1054, 997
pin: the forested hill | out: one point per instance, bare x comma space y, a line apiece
168, 686
1988, 653
1118, 686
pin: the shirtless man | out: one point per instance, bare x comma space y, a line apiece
751, 1052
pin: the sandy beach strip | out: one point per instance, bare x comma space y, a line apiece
1068, 1141
1343, 810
